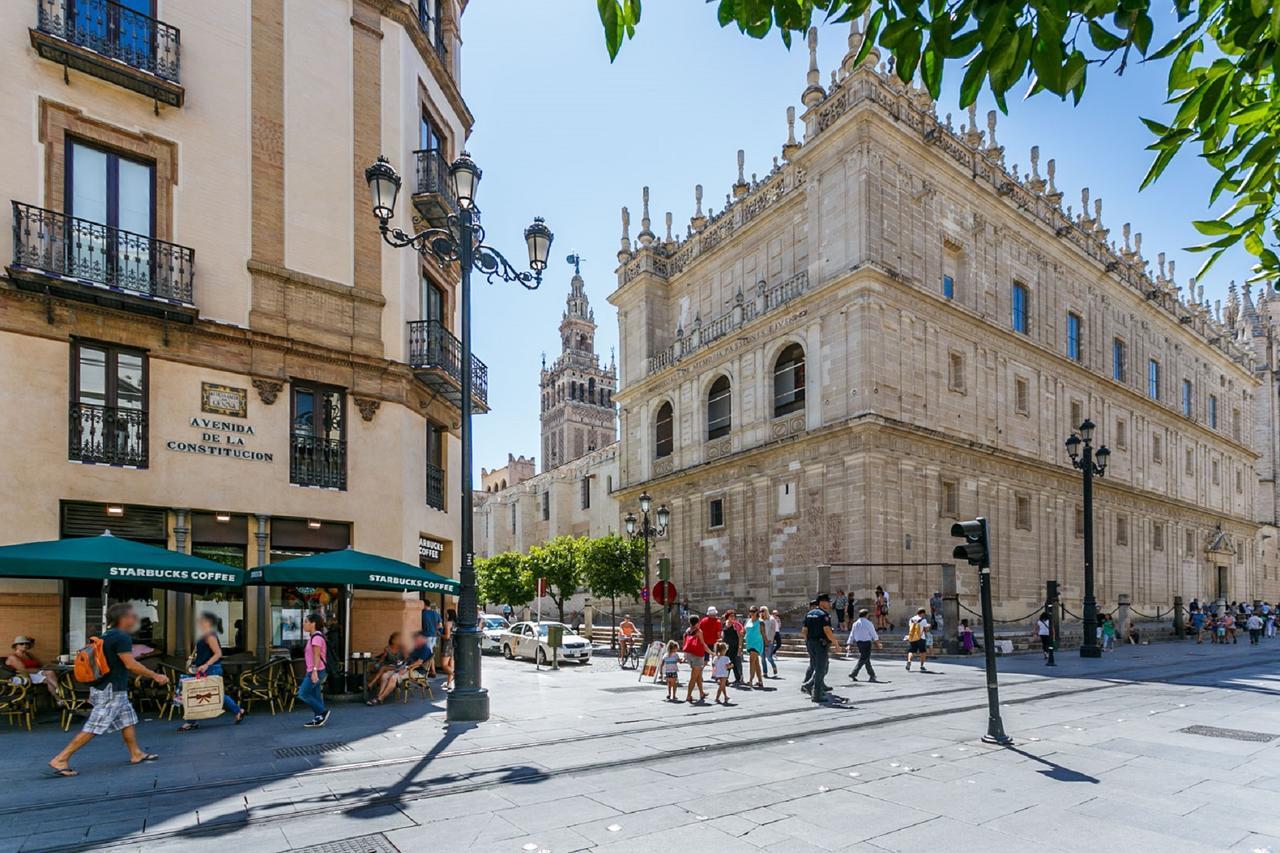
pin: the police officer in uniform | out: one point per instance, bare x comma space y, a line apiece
818, 640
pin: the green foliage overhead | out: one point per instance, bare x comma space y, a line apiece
504, 579
1222, 82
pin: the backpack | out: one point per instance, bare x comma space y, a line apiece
91, 662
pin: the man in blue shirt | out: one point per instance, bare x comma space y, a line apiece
818, 640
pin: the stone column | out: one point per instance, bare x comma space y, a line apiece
950, 610
1179, 619
1122, 617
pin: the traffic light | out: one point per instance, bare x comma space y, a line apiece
974, 549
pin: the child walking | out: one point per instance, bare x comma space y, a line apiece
671, 670
720, 672
966, 637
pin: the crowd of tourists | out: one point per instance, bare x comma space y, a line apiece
1224, 623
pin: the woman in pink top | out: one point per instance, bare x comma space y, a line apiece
316, 656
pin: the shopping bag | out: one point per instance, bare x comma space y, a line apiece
201, 697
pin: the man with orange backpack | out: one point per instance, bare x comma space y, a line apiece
110, 658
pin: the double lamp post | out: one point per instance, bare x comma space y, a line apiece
461, 242
1091, 463
645, 530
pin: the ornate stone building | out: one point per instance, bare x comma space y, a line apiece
895, 328
517, 470
578, 415
204, 342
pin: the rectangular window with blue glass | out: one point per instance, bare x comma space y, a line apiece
1186, 398
1153, 379
948, 287
1073, 337
1019, 318
1119, 358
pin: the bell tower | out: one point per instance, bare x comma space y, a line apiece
577, 390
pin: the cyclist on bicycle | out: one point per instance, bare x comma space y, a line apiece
628, 631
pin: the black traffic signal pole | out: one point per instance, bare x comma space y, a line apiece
976, 551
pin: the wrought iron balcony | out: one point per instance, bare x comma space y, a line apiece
107, 435
436, 357
429, 20
83, 259
317, 461
104, 39
435, 486
433, 191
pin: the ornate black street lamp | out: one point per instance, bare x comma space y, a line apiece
646, 530
1083, 457
461, 242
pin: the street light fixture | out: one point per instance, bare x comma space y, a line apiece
644, 529
1091, 464
461, 242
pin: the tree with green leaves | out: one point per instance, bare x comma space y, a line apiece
612, 566
1222, 76
559, 560
504, 579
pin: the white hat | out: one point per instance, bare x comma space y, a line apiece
711, 611
21, 640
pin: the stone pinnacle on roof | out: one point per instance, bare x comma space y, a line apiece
740, 187
813, 93
645, 236
698, 220
790, 147
624, 253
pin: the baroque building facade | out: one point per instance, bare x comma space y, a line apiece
204, 342
894, 329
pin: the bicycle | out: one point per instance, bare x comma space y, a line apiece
630, 658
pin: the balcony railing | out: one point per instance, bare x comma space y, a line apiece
435, 486
316, 461
107, 435
429, 20
112, 42
436, 355
433, 191
54, 245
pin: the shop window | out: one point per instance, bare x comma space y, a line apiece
318, 439
108, 423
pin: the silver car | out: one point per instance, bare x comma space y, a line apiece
492, 627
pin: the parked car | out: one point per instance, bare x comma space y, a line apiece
529, 640
492, 627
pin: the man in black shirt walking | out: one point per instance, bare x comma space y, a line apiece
818, 640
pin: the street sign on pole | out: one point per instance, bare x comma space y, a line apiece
664, 592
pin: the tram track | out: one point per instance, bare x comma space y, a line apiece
382, 798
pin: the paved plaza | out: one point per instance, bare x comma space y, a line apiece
587, 758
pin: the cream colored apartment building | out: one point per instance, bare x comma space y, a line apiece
204, 342
895, 328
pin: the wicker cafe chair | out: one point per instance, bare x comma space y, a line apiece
73, 699
259, 684
15, 704
288, 672
415, 680
159, 697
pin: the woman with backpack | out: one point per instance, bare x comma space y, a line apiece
316, 656
207, 660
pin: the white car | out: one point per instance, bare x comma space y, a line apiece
529, 640
492, 627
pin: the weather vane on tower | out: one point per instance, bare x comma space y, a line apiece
575, 259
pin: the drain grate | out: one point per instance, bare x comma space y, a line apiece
311, 749
364, 844
1229, 734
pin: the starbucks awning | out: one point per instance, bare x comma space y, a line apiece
357, 569
110, 558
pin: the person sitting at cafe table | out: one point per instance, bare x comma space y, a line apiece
207, 660
26, 666
392, 658
418, 658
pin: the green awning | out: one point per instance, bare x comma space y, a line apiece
353, 568
111, 558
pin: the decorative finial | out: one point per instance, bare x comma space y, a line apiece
813, 93
1172, 266
625, 251
698, 219
1084, 207
1160, 273
991, 130
1137, 243
855, 44
668, 238
1097, 219
1125, 231
972, 135
575, 259
740, 187
645, 236
790, 147
1035, 182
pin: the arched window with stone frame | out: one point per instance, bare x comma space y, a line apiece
719, 408
664, 438
788, 381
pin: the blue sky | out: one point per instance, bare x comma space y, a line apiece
560, 132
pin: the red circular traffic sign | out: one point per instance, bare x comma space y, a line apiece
664, 592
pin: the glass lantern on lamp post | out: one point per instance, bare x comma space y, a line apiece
645, 529
1090, 464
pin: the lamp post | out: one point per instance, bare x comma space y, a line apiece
1091, 463
461, 242
646, 530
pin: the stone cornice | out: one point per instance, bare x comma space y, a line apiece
401, 12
